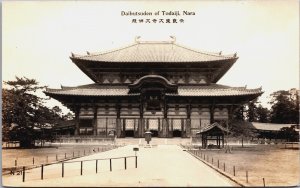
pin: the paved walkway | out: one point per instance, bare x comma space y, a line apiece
164, 165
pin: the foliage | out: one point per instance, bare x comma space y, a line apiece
251, 113
289, 133
24, 117
262, 114
242, 129
239, 114
285, 107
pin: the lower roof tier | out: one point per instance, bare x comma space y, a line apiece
96, 90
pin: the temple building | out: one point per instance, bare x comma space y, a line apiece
160, 86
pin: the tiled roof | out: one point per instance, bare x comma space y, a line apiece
102, 90
166, 51
269, 126
211, 126
215, 90
90, 90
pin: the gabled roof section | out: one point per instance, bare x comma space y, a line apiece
211, 126
155, 52
153, 81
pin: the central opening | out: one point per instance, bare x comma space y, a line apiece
129, 133
153, 127
176, 133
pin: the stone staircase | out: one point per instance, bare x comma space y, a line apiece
154, 141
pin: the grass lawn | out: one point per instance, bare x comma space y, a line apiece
278, 166
25, 157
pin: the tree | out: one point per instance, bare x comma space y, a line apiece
242, 129
289, 133
239, 114
262, 114
251, 113
285, 107
23, 112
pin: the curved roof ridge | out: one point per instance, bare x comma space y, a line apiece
107, 51
216, 54
152, 76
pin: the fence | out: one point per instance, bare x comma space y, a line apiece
81, 168
36, 161
239, 176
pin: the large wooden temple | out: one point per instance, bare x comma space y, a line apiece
162, 86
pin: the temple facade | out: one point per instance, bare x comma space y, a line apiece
160, 86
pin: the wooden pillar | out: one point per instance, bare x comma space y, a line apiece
77, 110
212, 109
158, 130
188, 121
134, 128
147, 124
124, 127
141, 123
183, 133
222, 141
106, 124
165, 122
95, 120
165, 126
118, 121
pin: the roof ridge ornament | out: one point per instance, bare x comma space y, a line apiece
174, 39
235, 54
136, 39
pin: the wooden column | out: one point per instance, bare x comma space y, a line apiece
118, 121
141, 124
106, 123
222, 141
158, 131
77, 110
124, 128
95, 120
188, 121
134, 128
212, 109
165, 122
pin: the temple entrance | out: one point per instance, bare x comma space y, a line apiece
129, 133
176, 133
176, 127
129, 127
152, 125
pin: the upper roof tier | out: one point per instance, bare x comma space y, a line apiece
161, 57
154, 52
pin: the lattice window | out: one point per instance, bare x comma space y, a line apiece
153, 124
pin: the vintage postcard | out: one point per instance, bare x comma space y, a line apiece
150, 94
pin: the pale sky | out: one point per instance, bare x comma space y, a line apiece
38, 37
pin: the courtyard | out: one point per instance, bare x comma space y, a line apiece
163, 164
